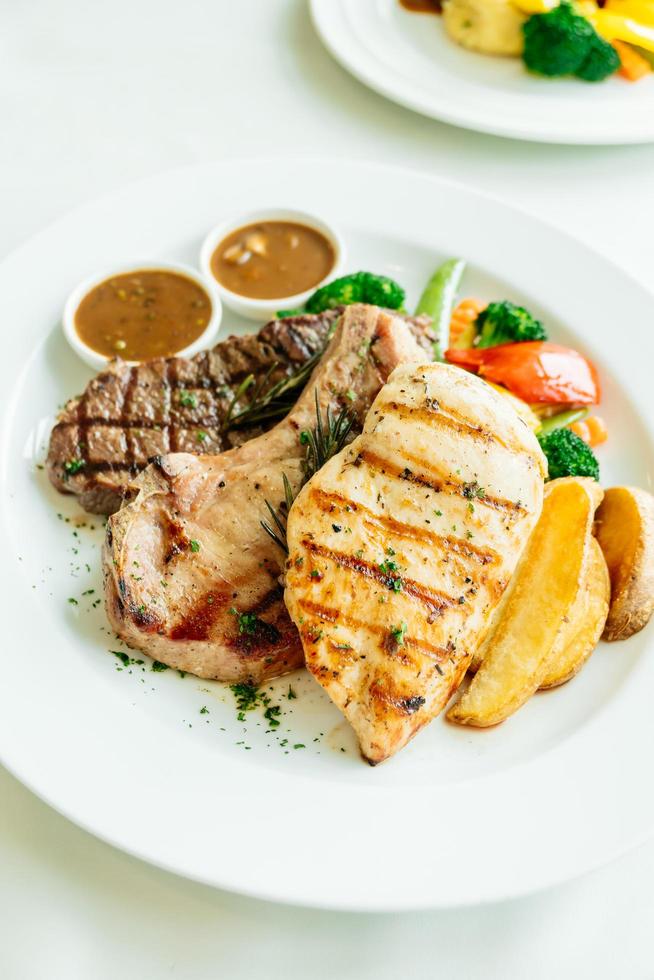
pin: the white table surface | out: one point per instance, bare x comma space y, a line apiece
92, 96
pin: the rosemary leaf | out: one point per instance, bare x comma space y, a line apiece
323, 441
266, 402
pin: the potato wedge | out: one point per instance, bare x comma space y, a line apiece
625, 530
543, 590
581, 632
593, 487
596, 493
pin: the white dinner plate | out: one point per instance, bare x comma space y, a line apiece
409, 58
160, 765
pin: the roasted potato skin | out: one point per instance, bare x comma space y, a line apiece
624, 526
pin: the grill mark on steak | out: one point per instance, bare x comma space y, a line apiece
129, 414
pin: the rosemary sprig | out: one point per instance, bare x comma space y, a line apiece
265, 402
326, 439
279, 517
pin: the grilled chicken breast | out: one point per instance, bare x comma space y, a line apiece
401, 546
191, 577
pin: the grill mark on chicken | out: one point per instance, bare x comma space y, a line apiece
403, 704
446, 417
432, 480
331, 615
384, 523
434, 600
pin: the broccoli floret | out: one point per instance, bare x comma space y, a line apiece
562, 42
360, 287
601, 61
284, 314
568, 455
506, 323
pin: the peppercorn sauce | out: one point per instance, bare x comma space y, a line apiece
143, 314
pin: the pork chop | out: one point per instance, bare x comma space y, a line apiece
191, 577
130, 413
401, 546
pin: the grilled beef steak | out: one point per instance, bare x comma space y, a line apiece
191, 577
127, 415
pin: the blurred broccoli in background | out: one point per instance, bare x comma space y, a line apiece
568, 455
506, 323
359, 287
563, 42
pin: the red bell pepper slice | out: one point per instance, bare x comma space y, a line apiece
536, 371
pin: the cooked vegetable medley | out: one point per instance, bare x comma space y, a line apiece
585, 39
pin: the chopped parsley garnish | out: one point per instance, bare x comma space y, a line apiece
195, 546
291, 693
472, 490
204, 710
157, 666
188, 399
247, 622
247, 697
398, 633
299, 745
73, 602
271, 713
315, 573
390, 570
72, 466
439, 513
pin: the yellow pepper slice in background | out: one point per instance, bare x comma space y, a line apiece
642, 11
535, 6
614, 27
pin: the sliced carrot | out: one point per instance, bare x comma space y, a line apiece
634, 65
592, 430
464, 314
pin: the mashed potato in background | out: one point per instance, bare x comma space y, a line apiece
489, 26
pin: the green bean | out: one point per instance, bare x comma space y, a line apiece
438, 299
561, 420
